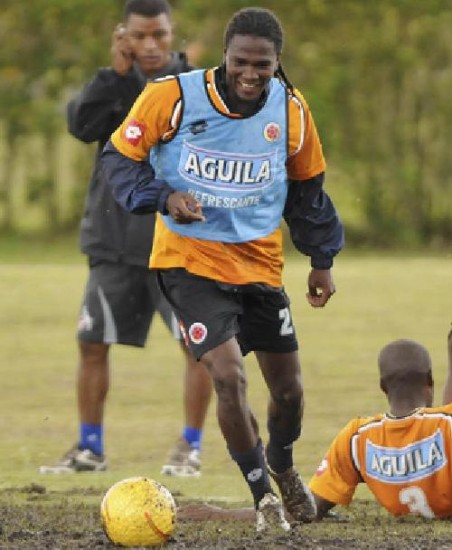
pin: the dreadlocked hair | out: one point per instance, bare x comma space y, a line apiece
282, 76
262, 23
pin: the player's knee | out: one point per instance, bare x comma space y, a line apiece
93, 354
230, 382
289, 394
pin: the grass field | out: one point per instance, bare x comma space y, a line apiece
379, 298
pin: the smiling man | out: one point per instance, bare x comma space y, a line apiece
223, 155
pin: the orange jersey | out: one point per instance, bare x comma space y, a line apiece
406, 462
260, 260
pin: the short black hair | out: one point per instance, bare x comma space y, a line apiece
404, 357
147, 8
258, 22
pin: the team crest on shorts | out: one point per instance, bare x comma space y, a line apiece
134, 132
272, 131
197, 333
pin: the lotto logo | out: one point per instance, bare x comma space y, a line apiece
134, 132
254, 475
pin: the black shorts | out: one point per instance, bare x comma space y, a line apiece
210, 313
119, 304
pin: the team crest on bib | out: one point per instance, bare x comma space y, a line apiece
134, 132
197, 333
272, 131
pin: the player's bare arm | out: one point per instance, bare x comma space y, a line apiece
448, 386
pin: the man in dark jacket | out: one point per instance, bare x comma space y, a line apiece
121, 295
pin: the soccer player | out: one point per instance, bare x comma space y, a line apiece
122, 295
233, 150
405, 455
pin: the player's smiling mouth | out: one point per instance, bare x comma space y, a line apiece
247, 85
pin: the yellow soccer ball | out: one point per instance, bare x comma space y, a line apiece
138, 511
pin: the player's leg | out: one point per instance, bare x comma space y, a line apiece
184, 458
267, 327
197, 391
236, 422
241, 432
111, 313
93, 382
282, 375
209, 320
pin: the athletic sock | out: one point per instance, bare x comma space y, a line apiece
279, 458
193, 436
254, 470
91, 437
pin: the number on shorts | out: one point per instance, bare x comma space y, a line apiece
286, 325
416, 500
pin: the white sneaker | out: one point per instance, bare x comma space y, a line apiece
270, 513
296, 496
183, 461
76, 460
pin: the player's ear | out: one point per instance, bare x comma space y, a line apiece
383, 387
429, 394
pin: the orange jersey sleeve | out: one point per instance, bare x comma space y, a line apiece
405, 462
306, 158
336, 477
160, 102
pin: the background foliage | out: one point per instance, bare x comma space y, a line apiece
377, 76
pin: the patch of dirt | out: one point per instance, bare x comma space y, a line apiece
34, 519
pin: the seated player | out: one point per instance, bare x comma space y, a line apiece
405, 455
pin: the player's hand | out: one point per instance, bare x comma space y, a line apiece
183, 208
121, 53
321, 287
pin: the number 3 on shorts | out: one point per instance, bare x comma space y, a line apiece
286, 325
416, 500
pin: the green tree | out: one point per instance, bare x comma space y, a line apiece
377, 76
